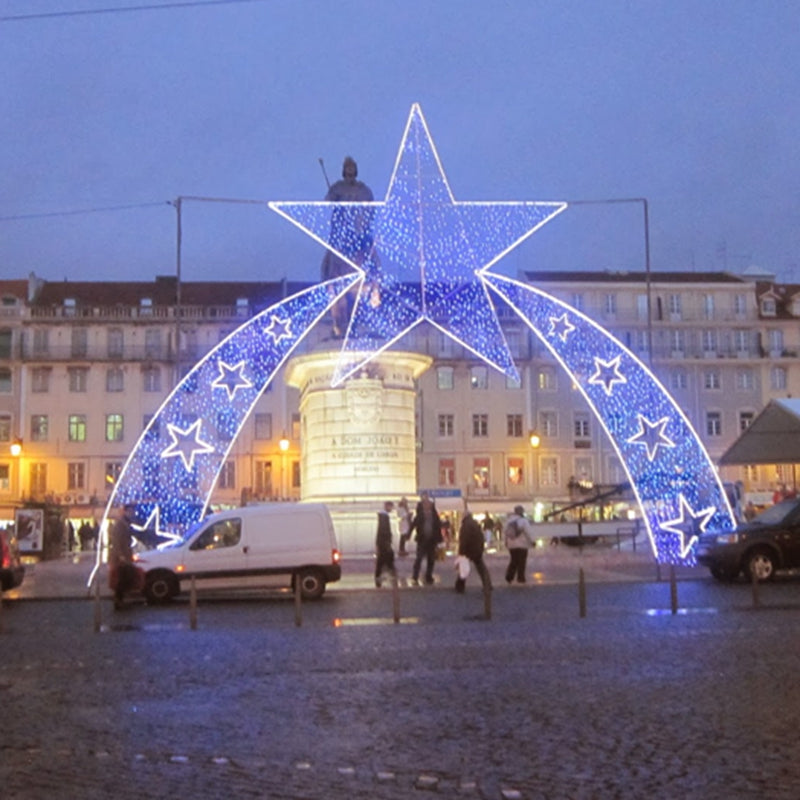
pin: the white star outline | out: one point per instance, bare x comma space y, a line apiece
607, 374
561, 327
279, 329
645, 435
182, 437
226, 373
675, 526
409, 246
154, 521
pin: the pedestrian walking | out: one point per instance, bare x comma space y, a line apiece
428, 527
122, 576
488, 528
518, 536
383, 544
404, 523
470, 546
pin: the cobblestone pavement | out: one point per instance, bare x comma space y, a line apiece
630, 701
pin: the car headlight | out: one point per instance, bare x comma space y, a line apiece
727, 538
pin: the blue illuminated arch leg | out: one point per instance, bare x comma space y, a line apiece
676, 484
172, 470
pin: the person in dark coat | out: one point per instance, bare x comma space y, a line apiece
470, 544
383, 544
120, 556
428, 527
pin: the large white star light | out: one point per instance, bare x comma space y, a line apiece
422, 255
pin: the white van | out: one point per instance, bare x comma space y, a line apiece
250, 547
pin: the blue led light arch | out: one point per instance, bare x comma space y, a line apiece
429, 259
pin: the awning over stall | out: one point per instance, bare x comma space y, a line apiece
773, 437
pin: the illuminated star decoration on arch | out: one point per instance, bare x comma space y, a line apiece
651, 435
420, 255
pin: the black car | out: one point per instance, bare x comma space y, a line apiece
769, 542
12, 570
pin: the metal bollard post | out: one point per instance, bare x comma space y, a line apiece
298, 600
673, 590
396, 598
581, 593
193, 604
754, 583
98, 613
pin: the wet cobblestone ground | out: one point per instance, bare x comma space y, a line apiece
630, 701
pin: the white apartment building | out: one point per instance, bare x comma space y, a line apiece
84, 365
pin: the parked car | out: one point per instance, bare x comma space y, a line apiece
251, 547
769, 542
12, 570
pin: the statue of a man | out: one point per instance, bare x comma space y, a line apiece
351, 234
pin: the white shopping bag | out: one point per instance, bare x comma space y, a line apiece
462, 567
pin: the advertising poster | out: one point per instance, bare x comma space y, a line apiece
30, 529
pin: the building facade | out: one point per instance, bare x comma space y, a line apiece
85, 365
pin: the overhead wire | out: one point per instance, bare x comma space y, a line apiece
79, 12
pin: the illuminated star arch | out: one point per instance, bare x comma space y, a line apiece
423, 256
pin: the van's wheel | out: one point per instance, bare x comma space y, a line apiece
160, 587
312, 584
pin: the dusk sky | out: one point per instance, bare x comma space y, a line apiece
692, 104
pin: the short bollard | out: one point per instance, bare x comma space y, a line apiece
193, 604
673, 590
581, 593
298, 601
754, 583
396, 598
98, 613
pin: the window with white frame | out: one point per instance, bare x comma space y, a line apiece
480, 425
580, 425
152, 343
678, 378
5, 427
115, 379
610, 304
114, 428
548, 471
740, 305
777, 378
76, 427
447, 426
708, 306
263, 426
677, 341
741, 340
768, 306
479, 377
713, 424
775, 337
577, 301
548, 424
39, 427
116, 342
41, 341
514, 425
5, 477
745, 420
447, 472
151, 379
77, 379
745, 379
227, 475
547, 379
675, 305
80, 342
76, 475
515, 468
445, 378
481, 478
40, 379
712, 380
709, 337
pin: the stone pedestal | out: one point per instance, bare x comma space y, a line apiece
358, 443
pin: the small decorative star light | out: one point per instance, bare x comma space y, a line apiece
424, 255
186, 444
231, 378
651, 435
688, 525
